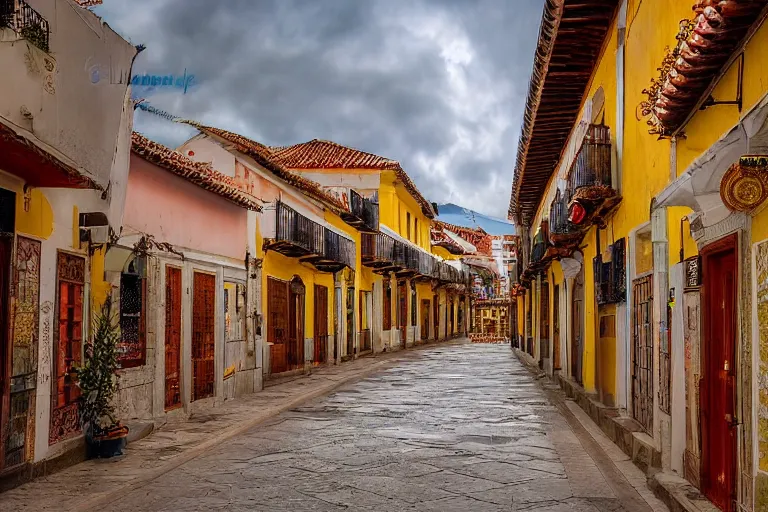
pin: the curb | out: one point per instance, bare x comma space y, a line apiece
105, 498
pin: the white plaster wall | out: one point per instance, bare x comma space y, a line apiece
362, 181
205, 150
75, 95
62, 202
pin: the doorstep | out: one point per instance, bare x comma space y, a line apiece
678, 494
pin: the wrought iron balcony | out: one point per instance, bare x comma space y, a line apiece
297, 236
25, 21
592, 166
561, 230
364, 212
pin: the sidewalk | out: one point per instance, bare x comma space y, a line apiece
94, 483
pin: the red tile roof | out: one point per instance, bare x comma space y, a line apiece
440, 239
324, 154
199, 173
477, 237
264, 156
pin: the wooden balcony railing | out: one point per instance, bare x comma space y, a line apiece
25, 21
299, 237
364, 212
386, 254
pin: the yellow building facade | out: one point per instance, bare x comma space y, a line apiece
644, 219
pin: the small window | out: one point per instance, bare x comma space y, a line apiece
416, 230
408, 225
131, 351
234, 311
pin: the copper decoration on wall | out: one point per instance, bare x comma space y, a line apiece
744, 186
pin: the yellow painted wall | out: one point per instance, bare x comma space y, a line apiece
395, 203
284, 268
443, 253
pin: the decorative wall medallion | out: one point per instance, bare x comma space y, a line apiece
744, 186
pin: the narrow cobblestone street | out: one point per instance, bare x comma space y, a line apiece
461, 427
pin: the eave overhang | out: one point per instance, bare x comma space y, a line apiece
571, 38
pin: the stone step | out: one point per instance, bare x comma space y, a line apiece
678, 494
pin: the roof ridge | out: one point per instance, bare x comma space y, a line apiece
201, 174
266, 158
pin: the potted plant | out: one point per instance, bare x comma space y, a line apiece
104, 434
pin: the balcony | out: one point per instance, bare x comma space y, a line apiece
385, 254
590, 184
562, 233
296, 236
363, 212
26, 22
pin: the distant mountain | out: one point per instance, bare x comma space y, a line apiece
460, 216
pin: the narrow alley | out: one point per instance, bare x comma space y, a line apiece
449, 427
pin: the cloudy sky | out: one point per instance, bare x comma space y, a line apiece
437, 84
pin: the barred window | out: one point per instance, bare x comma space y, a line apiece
131, 351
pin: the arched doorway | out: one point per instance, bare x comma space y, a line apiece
295, 352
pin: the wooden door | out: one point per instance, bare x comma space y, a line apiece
436, 316
544, 322
556, 329
717, 410
203, 335
452, 315
425, 319
277, 324
321, 325
295, 343
642, 351
577, 326
172, 338
402, 310
69, 345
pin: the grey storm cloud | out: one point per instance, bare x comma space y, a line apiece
439, 85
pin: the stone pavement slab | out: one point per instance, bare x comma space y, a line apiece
459, 427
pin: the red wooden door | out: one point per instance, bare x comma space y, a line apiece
6, 247
277, 324
71, 278
402, 311
203, 335
172, 338
321, 324
718, 421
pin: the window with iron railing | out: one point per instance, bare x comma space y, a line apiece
25, 21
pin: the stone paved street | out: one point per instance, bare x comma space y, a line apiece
461, 427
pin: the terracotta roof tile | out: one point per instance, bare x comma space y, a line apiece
477, 237
264, 156
201, 174
440, 239
324, 154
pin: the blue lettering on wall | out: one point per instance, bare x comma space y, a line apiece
147, 83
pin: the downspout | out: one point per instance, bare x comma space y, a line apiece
620, 106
